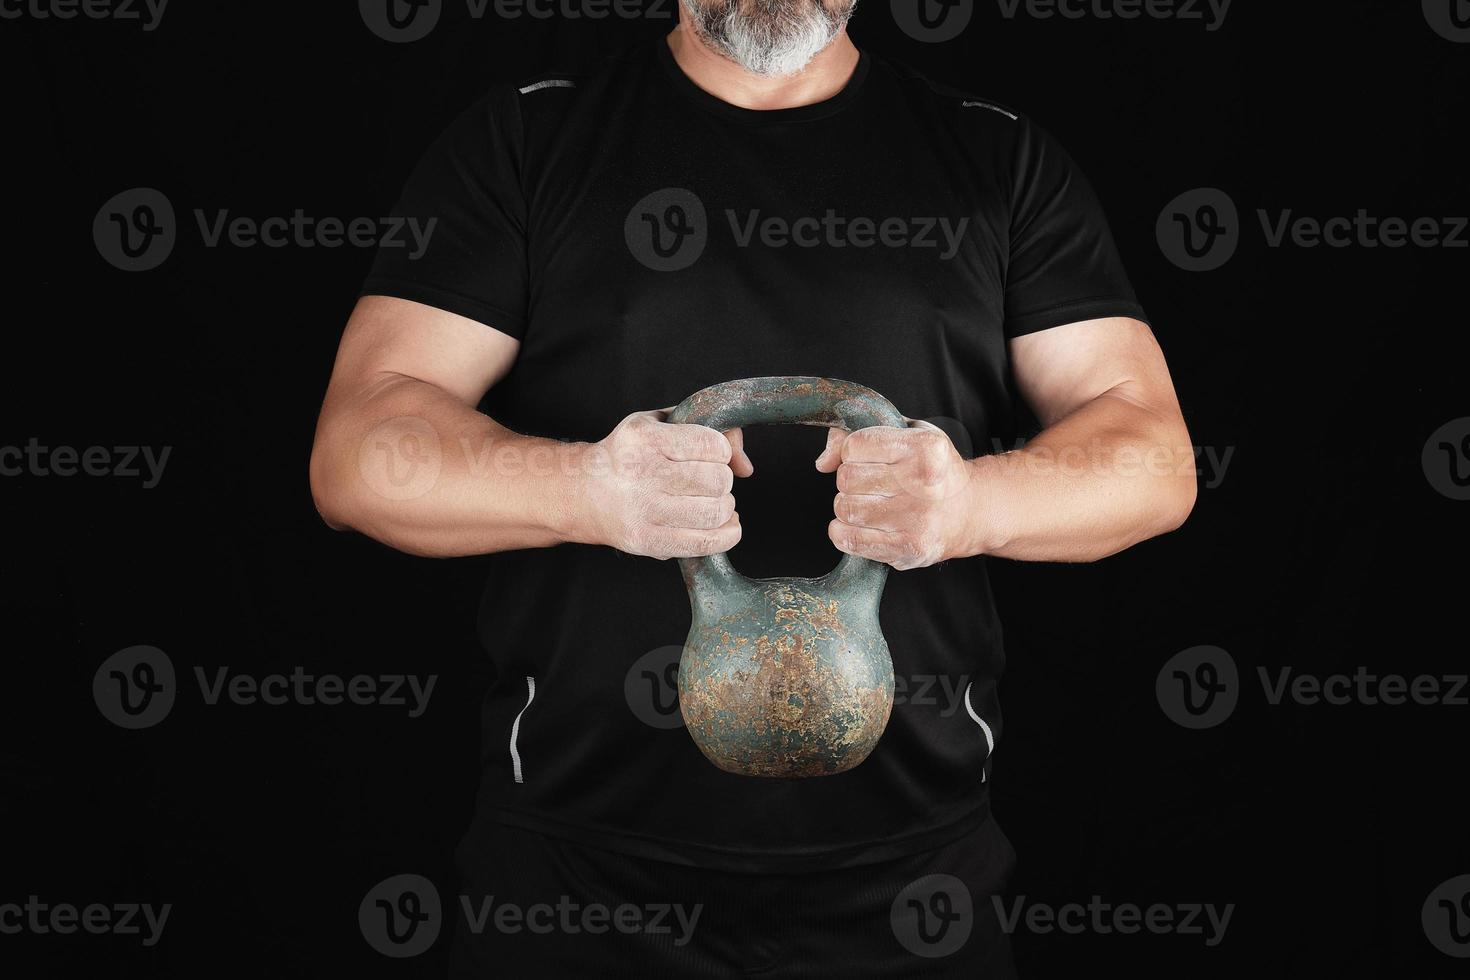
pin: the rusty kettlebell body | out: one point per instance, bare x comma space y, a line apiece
785, 676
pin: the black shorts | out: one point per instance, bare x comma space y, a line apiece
537, 906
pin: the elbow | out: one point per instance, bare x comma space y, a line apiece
1166, 512
327, 493
1183, 494
1179, 490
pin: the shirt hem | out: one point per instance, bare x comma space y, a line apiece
1072, 313
752, 860
448, 301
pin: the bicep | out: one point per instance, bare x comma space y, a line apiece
1061, 369
390, 338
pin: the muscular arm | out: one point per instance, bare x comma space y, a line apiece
1112, 467
1113, 464
402, 455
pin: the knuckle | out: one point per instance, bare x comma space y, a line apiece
643, 508
715, 446
856, 444
928, 471
708, 514
932, 440
640, 542
720, 480
837, 533
663, 545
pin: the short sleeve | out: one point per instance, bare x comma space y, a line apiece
464, 197
1063, 265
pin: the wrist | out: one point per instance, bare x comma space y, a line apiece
987, 528
562, 500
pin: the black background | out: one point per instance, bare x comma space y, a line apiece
1323, 548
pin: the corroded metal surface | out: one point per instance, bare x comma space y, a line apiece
785, 676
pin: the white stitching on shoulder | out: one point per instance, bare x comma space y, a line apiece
994, 108
549, 83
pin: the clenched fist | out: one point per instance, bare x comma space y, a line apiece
663, 490
903, 494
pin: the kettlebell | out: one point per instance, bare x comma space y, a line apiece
785, 677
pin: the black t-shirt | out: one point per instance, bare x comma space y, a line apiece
644, 239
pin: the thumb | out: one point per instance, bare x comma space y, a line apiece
739, 461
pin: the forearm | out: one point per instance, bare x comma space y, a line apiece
1111, 474
409, 465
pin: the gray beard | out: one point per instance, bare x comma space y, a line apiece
772, 38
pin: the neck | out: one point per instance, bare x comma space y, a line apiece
827, 74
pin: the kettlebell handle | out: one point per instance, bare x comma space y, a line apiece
827, 402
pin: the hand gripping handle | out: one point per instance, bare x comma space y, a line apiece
786, 401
